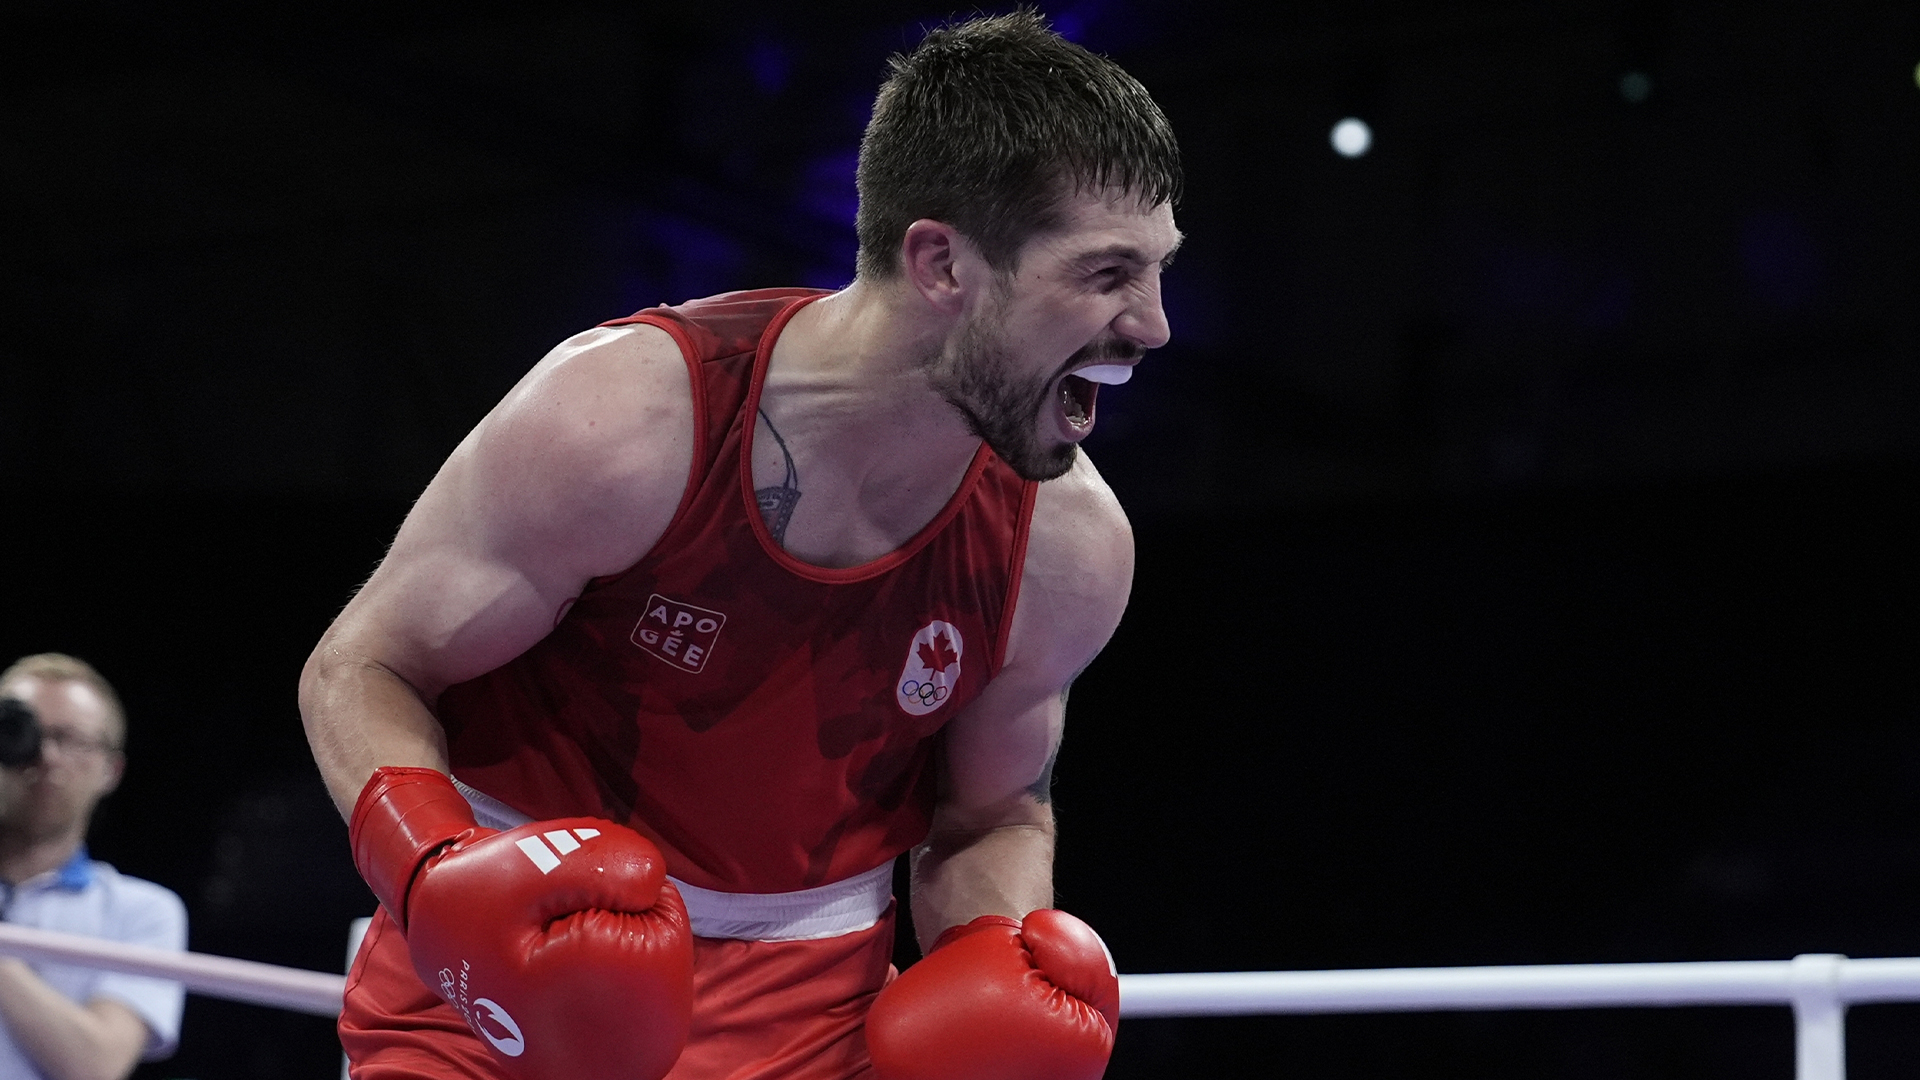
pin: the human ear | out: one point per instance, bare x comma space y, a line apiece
930, 252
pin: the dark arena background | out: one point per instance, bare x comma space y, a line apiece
1525, 566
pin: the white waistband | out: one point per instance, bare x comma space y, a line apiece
830, 910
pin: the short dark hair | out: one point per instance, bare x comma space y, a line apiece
989, 124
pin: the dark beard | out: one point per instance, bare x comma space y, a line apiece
1000, 409
978, 380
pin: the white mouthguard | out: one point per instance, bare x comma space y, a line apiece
1106, 374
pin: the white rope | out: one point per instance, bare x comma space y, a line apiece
1737, 982
315, 992
1817, 986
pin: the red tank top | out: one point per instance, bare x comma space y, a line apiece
768, 721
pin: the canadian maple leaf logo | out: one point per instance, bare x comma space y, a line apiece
938, 655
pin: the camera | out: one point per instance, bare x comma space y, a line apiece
19, 734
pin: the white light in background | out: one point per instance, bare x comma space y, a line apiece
1352, 137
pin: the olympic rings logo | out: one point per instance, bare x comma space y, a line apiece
926, 693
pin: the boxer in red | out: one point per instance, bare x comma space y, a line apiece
729, 604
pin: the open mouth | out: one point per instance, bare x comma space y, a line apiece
1078, 390
1076, 400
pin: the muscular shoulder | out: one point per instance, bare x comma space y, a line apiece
574, 475
592, 446
1078, 573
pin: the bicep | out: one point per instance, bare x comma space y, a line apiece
997, 755
447, 603
1074, 586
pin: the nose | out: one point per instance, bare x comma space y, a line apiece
1144, 322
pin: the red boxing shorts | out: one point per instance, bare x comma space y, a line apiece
762, 1010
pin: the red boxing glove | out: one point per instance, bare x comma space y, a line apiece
999, 999
561, 942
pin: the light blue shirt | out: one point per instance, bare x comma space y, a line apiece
95, 900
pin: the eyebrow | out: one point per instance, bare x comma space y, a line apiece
1128, 253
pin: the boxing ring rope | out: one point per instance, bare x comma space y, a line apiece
1818, 987
1547, 987
313, 992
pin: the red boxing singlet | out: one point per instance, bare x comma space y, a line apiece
770, 723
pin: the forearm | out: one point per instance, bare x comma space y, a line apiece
64, 1039
962, 874
360, 715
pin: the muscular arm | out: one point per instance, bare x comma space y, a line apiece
990, 851
574, 475
65, 1040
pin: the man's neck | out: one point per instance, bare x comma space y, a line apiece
871, 449
21, 859
856, 360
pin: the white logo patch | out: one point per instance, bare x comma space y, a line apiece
679, 633
484, 1015
563, 842
932, 669
491, 1015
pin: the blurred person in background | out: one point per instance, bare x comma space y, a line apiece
56, 1020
